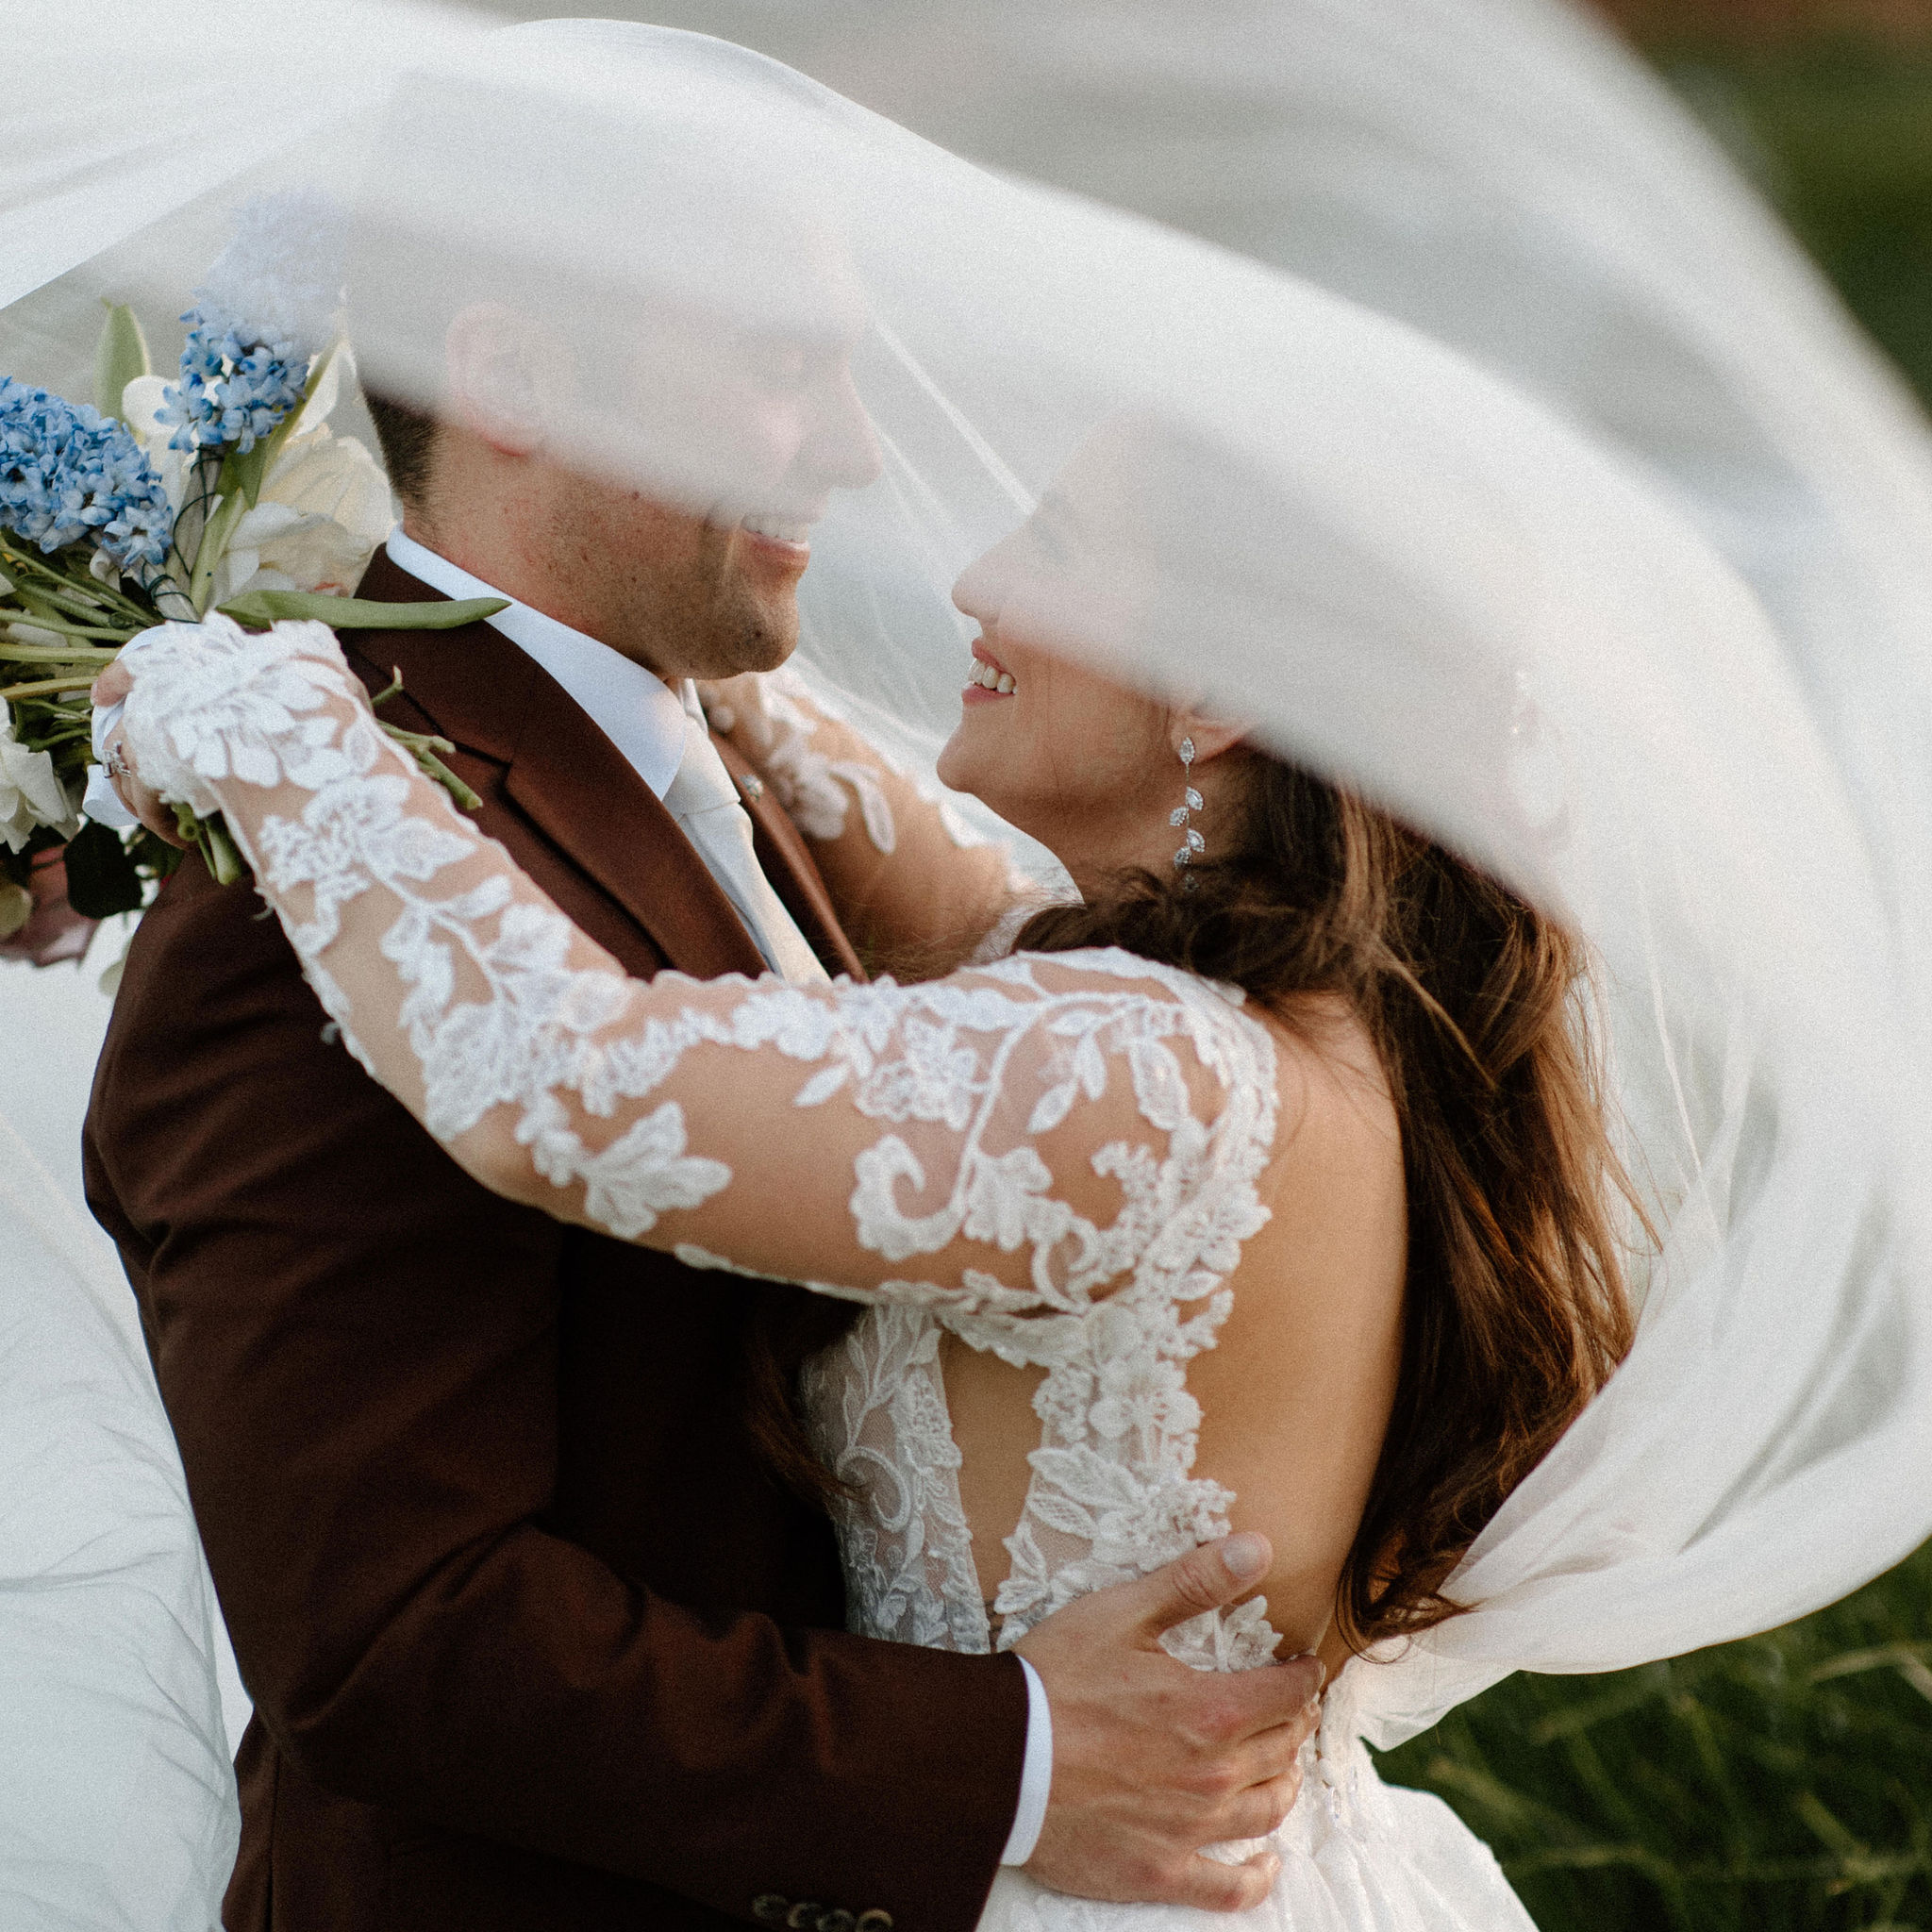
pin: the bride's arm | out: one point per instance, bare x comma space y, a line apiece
912, 886
1012, 1140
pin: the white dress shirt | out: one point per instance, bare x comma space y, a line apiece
664, 738
657, 730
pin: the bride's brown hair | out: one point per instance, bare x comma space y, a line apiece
1515, 1311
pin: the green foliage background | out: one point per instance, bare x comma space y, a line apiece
1778, 1784
1783, 1784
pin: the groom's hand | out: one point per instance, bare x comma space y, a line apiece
1151, 1759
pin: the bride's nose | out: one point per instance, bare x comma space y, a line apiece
977, 592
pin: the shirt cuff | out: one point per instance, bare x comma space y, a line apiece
1036, 1777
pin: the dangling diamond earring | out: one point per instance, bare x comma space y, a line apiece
1190, 803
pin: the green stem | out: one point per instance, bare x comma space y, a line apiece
219, 852
209, 837
75, 602
66, 629
214, 541
47, 685
434, 767
18, 562
57, 654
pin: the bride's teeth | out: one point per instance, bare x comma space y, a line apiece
982, 674
1005, 683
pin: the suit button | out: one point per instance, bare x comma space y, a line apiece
874, 1921
840, 1921
803, 1915
770, 1907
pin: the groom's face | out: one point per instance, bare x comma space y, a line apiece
756, 428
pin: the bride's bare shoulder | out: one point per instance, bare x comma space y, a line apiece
1335, 1185
1335, 1091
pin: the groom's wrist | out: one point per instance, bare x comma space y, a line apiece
1036, 1776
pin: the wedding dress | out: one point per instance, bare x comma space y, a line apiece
1058, 1158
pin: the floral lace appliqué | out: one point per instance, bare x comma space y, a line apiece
1153, 1092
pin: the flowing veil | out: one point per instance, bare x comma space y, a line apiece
1409, 572
117, 1800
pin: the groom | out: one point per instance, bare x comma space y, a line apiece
537, 1639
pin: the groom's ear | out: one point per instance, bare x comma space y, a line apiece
502, 370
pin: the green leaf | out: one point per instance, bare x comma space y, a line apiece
264, 608
244, 473
101, 878
118, 358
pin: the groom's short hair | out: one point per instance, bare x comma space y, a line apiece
407, 437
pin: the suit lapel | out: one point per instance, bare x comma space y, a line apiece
479, 690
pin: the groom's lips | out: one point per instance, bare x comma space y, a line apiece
780, 539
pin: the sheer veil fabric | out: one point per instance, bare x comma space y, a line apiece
1405, 571
117, 1800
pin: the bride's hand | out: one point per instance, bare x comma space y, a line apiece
110, 688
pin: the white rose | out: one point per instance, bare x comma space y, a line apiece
31, 793
325, 507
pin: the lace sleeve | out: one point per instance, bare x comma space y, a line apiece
1012, 1141
915, 887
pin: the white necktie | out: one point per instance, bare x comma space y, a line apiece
704, 801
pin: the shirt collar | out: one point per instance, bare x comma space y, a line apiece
634, 709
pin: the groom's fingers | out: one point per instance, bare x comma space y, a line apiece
1260, 1810
1205, 1579
1211, 1887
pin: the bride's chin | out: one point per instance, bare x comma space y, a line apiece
958, 770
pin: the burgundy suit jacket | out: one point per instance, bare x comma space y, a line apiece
536, 1643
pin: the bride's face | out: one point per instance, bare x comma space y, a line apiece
1076, 760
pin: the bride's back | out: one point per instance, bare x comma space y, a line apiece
1296, 1391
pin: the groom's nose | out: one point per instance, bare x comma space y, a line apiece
843, 448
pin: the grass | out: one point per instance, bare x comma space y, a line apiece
1839, 133
1783, 1784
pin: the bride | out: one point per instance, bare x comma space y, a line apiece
1267, 1188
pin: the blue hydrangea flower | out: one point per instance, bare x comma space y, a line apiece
234, 389
67, 474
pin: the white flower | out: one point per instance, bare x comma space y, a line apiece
31, 793
325, 507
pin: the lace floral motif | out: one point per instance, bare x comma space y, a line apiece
1067, 1145
773, 712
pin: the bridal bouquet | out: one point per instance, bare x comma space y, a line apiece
224, 489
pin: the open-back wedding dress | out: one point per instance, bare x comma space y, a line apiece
1055, 1157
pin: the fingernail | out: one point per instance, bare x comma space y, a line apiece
1247, 1555
1308, 1657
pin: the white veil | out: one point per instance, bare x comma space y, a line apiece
1407, 573
117, 1799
